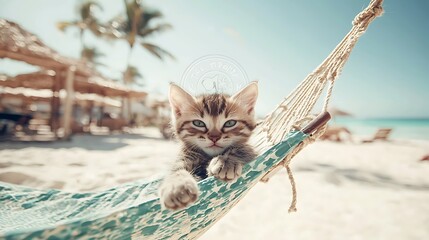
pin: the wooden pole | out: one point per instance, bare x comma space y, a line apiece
68, 103
101, 108
129, 112
123, 107
89, 111
100, 120
56, 85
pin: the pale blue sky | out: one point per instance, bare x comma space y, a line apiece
276, 42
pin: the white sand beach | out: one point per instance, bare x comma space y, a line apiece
345, 190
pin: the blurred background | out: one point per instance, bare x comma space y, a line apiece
83, 104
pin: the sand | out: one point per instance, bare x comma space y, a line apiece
345, 190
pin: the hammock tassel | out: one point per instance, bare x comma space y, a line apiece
292, 207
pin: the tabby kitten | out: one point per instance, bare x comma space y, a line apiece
213, 130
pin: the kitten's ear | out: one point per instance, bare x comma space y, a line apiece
179, 99
247, 97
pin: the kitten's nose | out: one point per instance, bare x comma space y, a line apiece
214, 136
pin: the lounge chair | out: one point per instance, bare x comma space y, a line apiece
336, 133
114, 124
382, 134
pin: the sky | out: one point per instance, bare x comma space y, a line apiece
276, 42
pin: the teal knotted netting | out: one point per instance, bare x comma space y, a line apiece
130, 211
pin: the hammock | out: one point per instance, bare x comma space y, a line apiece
133, 211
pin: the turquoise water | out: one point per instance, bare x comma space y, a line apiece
402, 128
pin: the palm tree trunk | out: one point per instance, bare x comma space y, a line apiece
81, 43
127, 113
129, 55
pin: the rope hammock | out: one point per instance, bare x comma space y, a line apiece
133, 211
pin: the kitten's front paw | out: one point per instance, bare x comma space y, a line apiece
224, 170
179, 193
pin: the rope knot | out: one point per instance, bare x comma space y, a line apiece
360, 18
378, 11
367, 14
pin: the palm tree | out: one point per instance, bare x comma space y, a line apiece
91, 54
136, 26
131, 75
87, 22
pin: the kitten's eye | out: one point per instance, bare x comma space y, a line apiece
230, 123
198, 123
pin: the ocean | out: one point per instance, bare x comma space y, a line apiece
402, 128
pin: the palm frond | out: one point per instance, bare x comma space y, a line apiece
131, 75
159, 28
86, 10
91, 54
62, 26
147, 16
87, 19
119, 23
157, 51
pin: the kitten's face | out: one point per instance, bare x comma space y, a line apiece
213, 122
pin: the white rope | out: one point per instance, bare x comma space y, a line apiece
295, 108
303, 98
328, 95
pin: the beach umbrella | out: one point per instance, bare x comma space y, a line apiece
335, 112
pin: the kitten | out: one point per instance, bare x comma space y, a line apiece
213, 130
